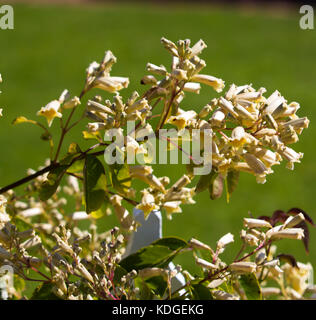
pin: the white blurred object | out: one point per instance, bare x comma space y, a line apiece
149, 231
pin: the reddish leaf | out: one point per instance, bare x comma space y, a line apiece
305, 240
216, 187
278, 216
266, 218
295, 211
288, 258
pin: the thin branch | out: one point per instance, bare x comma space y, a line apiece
28, 178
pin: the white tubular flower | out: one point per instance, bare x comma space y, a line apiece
172, 207
124, 81
225, 240
179, 74
268, 157
139, 170
72, 103
93, 67
79, 215
256, 223
122, 214
228, 107
133, 147
84, 272
111, 84
238, 137
206, 110
160, 70
50, 111
291, 156
243, 267
271, 263
153, 181
293, 221
96, 106
205, 264
250, 96
73, 183
222, 295
273, 102
194, 243
216, 83
96, 126
3, 202
198, 48
149, 79
147, 204
265, 132
298, 278
1, 112
217, 118
255, 164
31, 243
4, 217
64, 96
300, 123
286, 110
138, 105
289, 233
250, 239
192, 87
183, 119
244, 113
31, 212
170, 46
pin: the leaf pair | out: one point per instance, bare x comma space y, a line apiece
214, 182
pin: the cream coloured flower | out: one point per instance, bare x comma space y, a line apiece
216, 83
147, 204
298, 278
50, 111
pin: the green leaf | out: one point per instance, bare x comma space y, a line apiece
49, 187
44, 292
158, 254
119, 273
76, 167
92, 135
73, 151
120, 177
22, 119
173, 243
145, 292
94, 184
251, 286
231, 182
216, 187
205, 181
201, 292
157, 284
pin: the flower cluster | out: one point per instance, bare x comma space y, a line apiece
292, 279
70, 254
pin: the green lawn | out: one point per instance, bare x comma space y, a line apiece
50, 48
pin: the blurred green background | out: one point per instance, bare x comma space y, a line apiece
51, 46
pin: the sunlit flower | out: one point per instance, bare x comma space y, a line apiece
50, 111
